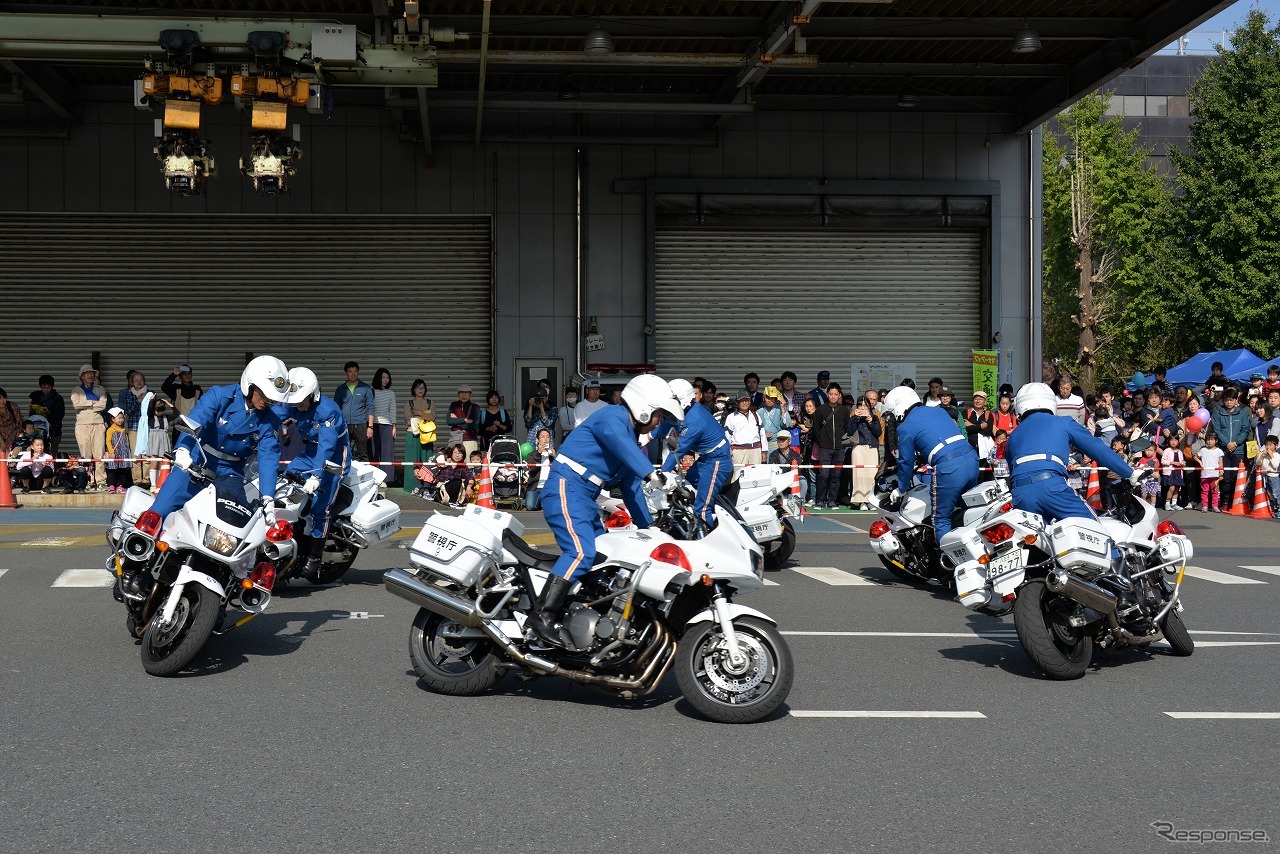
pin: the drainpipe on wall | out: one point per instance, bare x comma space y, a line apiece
1035, 224
580, 255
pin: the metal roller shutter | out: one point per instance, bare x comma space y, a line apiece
409, 293
732, 300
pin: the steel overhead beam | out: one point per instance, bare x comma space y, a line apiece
33, 86
930, 69
649, 107
577, 58
425, 119
782, 38
484, 51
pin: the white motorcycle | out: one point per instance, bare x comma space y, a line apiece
651, 601
1113, 581
903, 537
177, 576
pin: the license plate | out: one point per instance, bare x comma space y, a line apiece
1005, 563
760, 529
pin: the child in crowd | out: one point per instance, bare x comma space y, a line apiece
1210, 471
1113, 482
543, 453
1104, 423
1173, 461
24, 439
35, 467
1148, 460
686, 462
73, 476
119, 467
473, 482
1001, 439
1269, 463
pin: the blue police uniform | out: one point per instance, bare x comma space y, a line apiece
230, 430
601, 451
930, 432
703, 435
1037, 453
323, 433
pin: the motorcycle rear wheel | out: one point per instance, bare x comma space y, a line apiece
1175, 632
1060, 651
780, 550
735, 698
166, 651
331, 572
461, 667
903, 574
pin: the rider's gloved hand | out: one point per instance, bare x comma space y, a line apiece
182, 459
895, 497
270, 513
645, 439
1138, 476
312, 484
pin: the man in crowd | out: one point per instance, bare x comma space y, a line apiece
830, 423
744, 430
1069, 403
1231, 423
751, 387
934, 396
819, 392
355, 397
181, 390
47, 402
463, 420
592, 403
566, 415
89, 399
792, 398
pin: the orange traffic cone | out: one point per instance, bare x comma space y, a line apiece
1237, 500
163, 475
6, 490
795, 477
1093, 492
1261, 507
485, 497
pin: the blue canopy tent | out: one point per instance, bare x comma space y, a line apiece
1236, 365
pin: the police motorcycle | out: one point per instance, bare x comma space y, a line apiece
903, 536
762, 496
1113, 582
177, 580
652, 601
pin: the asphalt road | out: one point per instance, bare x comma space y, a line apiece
307, 731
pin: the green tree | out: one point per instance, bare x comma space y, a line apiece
1107, 256
1230, 211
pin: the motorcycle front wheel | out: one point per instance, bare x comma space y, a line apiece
167, 649
780, 549
1175, 632
450, 665
741, 695
1060, 650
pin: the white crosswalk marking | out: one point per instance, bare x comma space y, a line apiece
834, 577
84, 578
1220, 577
2, 572
1236, 716
769, 582
1268, 570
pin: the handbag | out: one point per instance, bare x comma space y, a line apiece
424, 473
413, 425
426, 431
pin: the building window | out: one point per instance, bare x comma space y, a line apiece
1134, 105
1157, 105
1179, 105
1115, 107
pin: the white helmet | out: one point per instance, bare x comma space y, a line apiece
270, 375
648, 393
900, 399
1033, 396
683, 390
302, 385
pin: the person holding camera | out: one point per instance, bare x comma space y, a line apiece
540, 413
864, 430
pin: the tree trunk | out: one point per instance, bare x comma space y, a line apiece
1086, 318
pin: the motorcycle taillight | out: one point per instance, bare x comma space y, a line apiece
620, 518
879, 528
997, 533
149, 523
1167, 527
672, 554
280, 531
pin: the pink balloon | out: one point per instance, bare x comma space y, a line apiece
1203, 415
1194, 424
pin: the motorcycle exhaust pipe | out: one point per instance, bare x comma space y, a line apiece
407, 586
1088, 595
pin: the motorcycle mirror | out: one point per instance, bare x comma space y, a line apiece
332, 468
186, 425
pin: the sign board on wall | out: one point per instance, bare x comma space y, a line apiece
985, 372
880, 375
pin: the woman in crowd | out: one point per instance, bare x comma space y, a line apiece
864, 430
452, 476
808, 450
383, 452
130, 400
543, 453
494, 421
417, 411
10, 422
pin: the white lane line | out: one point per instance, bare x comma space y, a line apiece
1236, 634
999, 635
2, 572
769, 582
834, 577
50, 542
853, 528
1203, 644
878, 713
1222, 716
1220, 577
84, 578
1267, 570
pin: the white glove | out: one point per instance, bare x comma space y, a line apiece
182, 459
312, 484
895, 495
270, 513
1138, 476
645, 439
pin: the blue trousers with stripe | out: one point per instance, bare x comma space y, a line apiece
569, 506
950, 480
1052, 498
708, 476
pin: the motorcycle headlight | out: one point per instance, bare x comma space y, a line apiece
218, 540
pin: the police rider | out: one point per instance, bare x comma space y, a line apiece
930, 432
1038, 452
323, 432
231, 422
602, 451
700, 434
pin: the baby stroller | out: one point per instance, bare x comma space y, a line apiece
507, 471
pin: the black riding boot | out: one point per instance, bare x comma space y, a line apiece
315, 556
545, 622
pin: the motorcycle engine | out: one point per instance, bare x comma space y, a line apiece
589, 627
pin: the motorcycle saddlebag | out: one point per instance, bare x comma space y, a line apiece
455, 548
1081, 544
377, 520
763, 522
984, 493
136, 501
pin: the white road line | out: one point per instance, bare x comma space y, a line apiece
84, 578
1220, 577
1003, 635
853, 528
876, 713
1222, 716
1201, 644
1236, 634
50, 542
2, 572
834, 577
769, 582
1268, 570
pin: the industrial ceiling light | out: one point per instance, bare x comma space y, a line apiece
907, 98
598, 42
1026, 40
